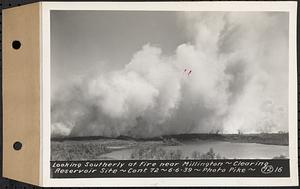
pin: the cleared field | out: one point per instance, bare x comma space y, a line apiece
90, 149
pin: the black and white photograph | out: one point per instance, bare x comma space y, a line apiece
143, 94
169, 85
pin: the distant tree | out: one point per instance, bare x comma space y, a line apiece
240, 132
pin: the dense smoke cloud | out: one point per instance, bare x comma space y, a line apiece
238, 83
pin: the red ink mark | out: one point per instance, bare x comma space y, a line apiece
190, 72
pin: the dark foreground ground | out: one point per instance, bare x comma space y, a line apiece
96, 147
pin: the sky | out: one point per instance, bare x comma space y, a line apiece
146, 74
107, 40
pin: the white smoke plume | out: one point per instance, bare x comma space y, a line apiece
238, 83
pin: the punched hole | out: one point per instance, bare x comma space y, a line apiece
16, 44
17, 145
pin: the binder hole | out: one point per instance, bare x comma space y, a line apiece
17, 145
16, 44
